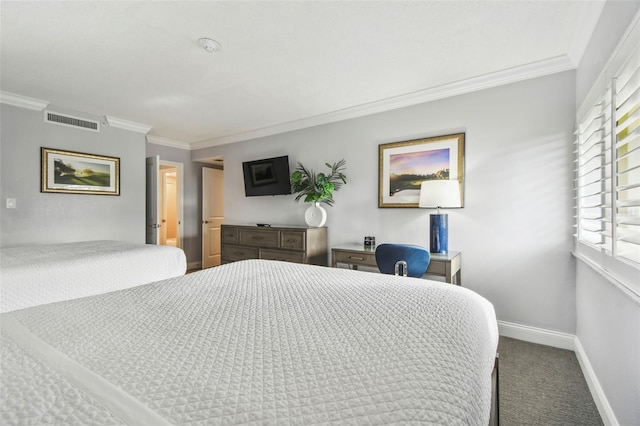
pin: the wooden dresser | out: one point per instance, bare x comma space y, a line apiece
297, 244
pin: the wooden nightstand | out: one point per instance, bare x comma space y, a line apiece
443, 265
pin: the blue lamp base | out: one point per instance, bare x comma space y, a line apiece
439, 227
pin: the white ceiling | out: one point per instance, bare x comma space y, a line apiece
283, 65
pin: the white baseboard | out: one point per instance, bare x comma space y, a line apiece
570, 342
194, 265
537, 335
599, 397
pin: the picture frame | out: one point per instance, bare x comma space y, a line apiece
79, 173
403, 166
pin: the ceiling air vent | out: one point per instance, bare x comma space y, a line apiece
70, 121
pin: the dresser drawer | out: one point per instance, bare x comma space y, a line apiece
292, 240
283, 255
234, 253
259, 238
363, 259
229, 234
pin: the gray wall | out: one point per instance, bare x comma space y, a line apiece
515, 229
608, 320
53, 217
192, 207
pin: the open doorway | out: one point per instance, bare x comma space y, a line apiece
169, 231
164, 211
170, 197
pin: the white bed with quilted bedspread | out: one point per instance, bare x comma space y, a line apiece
39, 274
254, 342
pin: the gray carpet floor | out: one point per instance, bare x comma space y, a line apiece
541, 385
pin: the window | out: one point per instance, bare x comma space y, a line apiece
607, 172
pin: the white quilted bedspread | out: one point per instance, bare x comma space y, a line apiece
35, 275
254, 342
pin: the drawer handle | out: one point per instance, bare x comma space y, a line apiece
238, 252
292, 241
356, 258
257, 238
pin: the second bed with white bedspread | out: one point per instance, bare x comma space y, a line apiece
39, 274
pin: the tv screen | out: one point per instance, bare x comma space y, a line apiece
267, 177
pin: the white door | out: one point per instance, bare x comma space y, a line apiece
212, 216
153, 201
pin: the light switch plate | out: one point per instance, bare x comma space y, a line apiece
11, 203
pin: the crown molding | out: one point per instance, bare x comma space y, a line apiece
500, 78
168, 142
127, 125
23, 101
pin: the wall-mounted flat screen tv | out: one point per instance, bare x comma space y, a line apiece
267, 177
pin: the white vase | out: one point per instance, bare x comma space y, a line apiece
315, 216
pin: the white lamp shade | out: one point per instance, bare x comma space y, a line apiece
440, 193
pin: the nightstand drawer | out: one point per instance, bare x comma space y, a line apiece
292, 240
234, 253
437, 268
255, 237
285, 256
353, 258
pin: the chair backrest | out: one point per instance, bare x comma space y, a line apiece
391, 258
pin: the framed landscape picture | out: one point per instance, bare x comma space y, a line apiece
79, 173
403, 166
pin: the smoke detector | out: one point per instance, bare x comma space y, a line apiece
209, 45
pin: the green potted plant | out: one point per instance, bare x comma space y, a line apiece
317, 188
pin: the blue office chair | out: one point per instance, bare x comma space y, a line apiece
402, 259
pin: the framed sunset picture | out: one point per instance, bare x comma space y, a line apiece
403, 166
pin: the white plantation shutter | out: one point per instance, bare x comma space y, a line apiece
627, 160
593, 177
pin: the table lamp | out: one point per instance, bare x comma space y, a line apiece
438, 194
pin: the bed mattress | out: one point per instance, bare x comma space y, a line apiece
254, 342
35, 275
